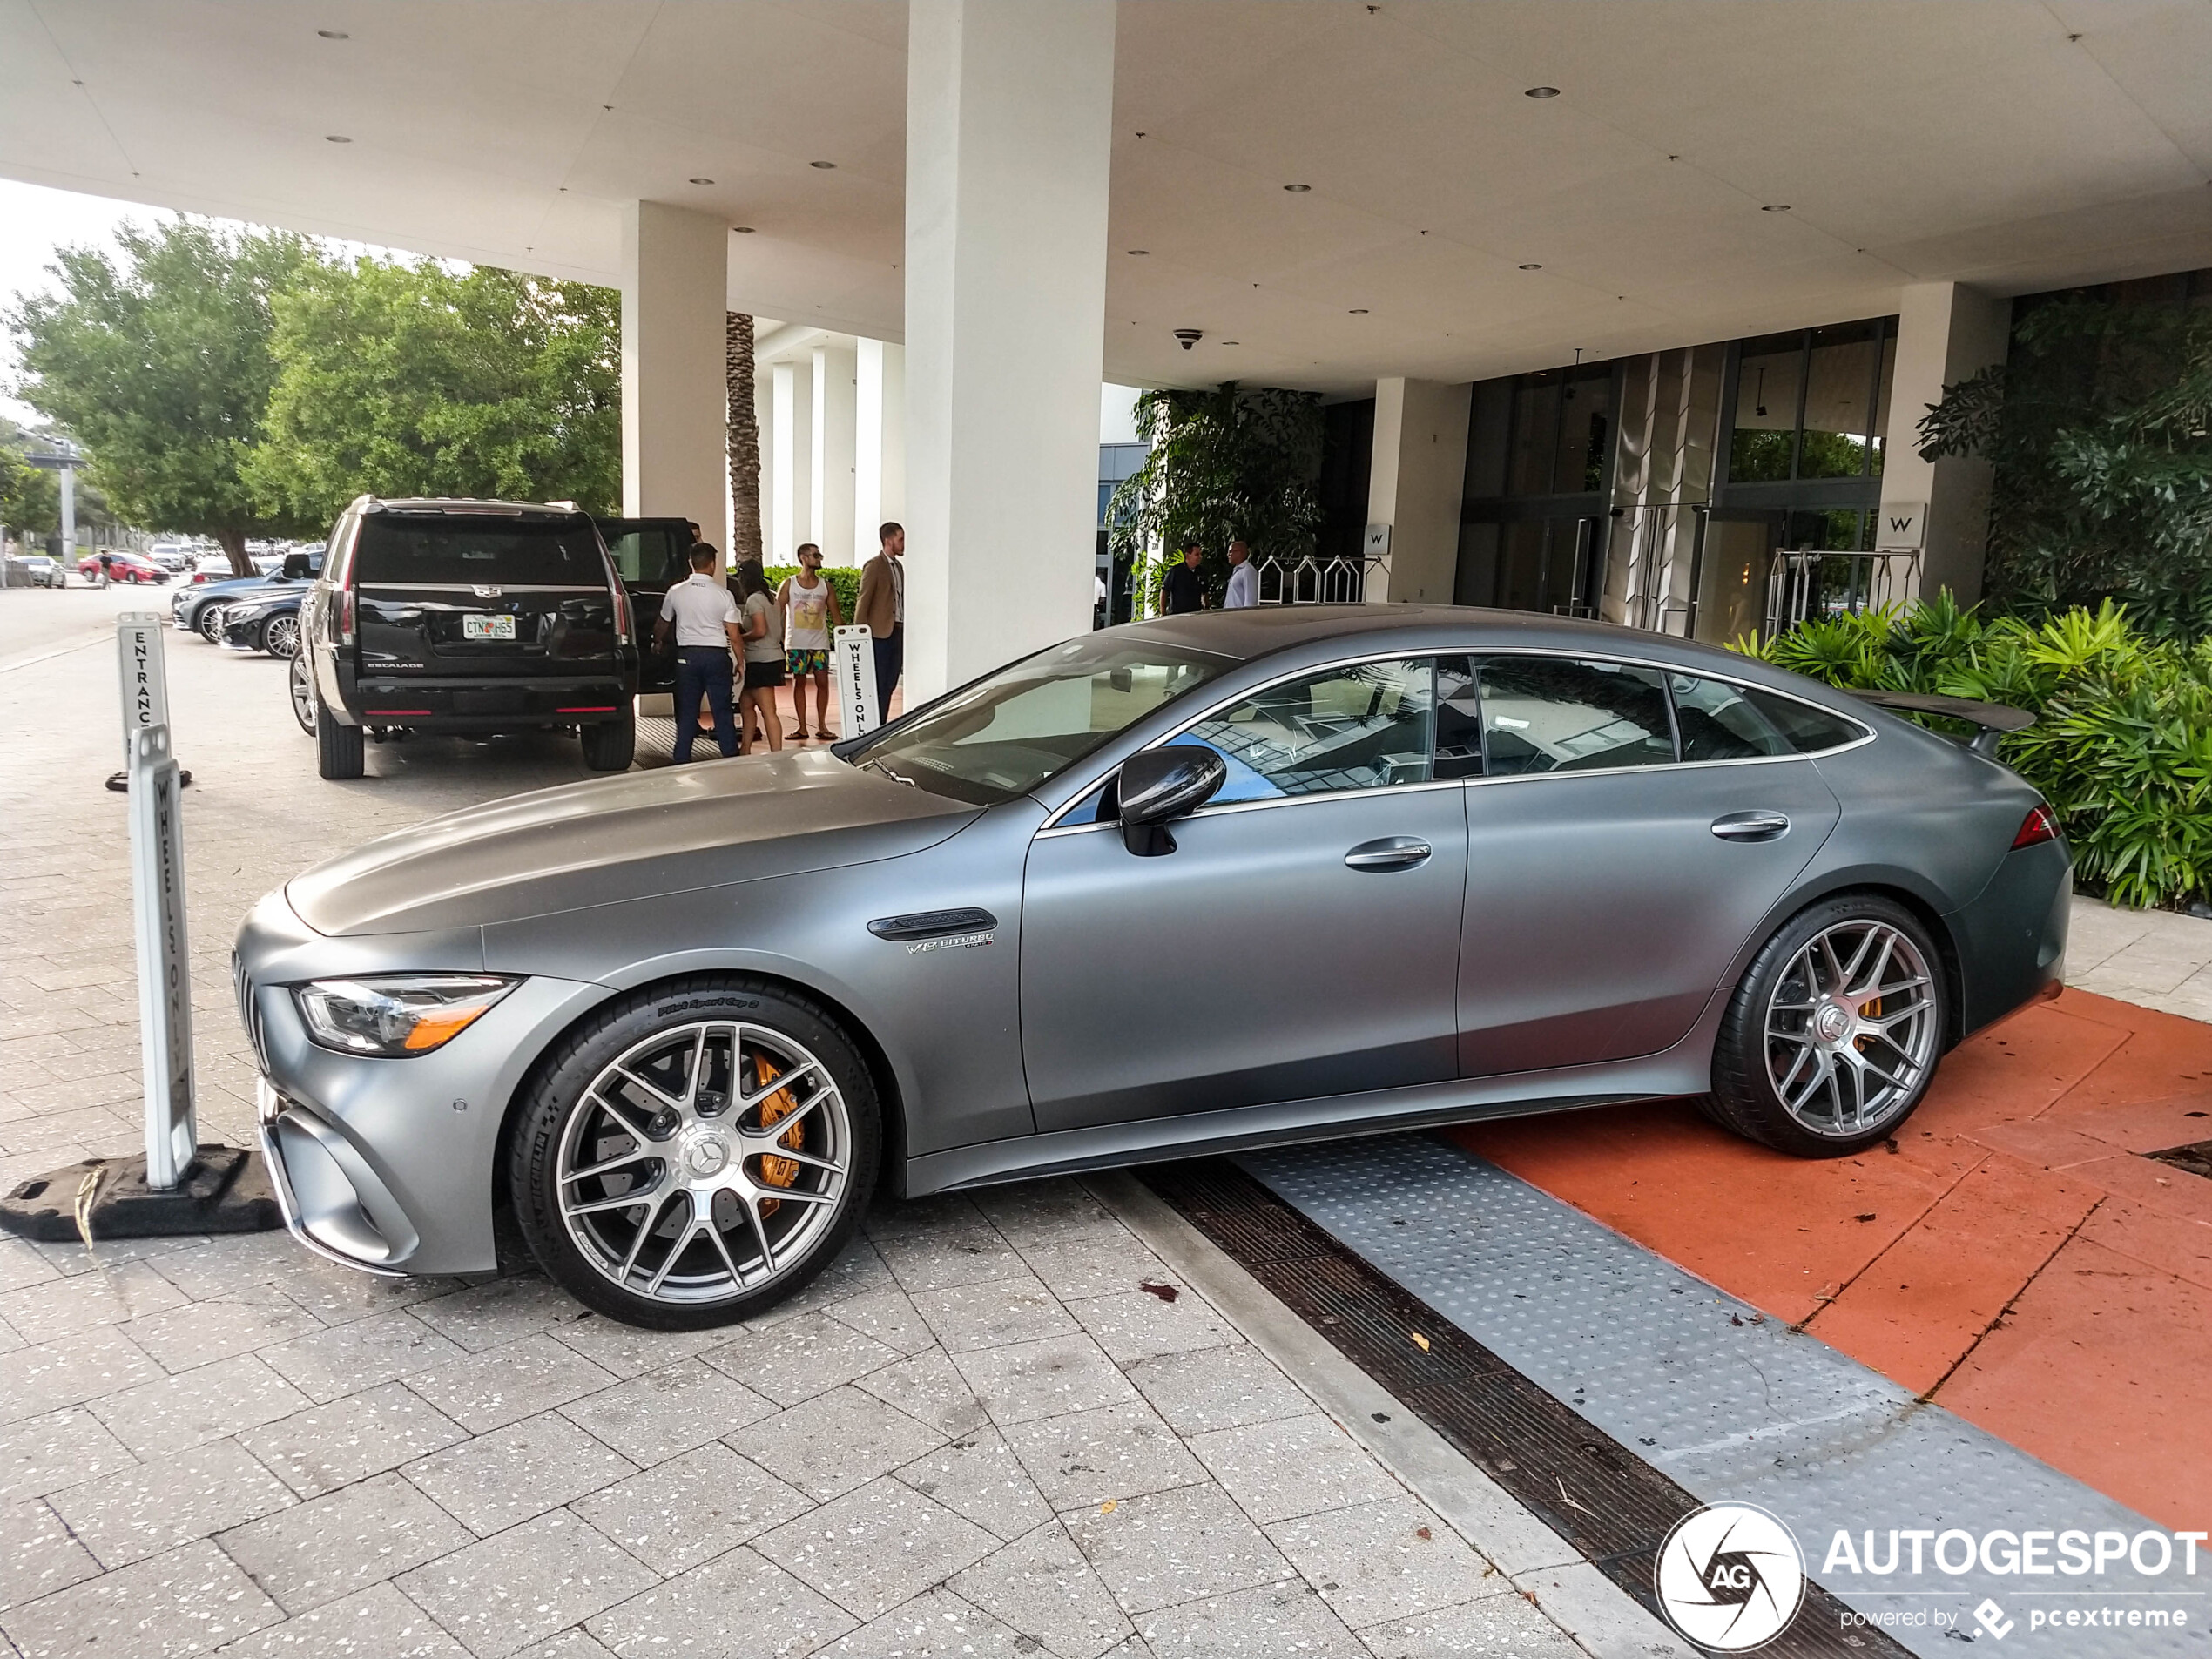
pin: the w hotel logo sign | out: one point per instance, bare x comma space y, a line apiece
1901, 526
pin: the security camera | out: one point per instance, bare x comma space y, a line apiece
1189, 337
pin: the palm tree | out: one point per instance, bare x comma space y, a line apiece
743, 430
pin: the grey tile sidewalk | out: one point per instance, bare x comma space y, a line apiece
2155, 959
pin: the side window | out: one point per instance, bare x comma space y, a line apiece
1806, 729
1557, 714
1458, 719
1717, 723
1357, 727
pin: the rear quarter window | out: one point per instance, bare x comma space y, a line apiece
466, 552
1808, 730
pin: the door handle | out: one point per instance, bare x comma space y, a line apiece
1751, 826
1392, 853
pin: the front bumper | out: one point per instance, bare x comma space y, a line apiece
387, 1165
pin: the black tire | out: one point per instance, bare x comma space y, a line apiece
340, 750
1759, 1035
559, 1108
611, 746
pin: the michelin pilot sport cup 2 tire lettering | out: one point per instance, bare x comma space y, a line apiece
696, 1152
1834, 1032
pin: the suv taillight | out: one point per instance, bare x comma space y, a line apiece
343, 614
621, 614
2036, 828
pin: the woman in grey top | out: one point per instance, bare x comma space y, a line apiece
763, 627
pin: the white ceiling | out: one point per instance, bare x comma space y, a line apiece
1911, 140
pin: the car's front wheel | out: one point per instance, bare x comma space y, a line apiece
280, 636
696, 1153
301, 687
1833, 1035
211, 623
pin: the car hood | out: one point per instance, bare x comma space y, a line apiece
610, 839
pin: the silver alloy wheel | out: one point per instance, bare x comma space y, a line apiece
281, 636
302, 687
704, 1163
211, 623
1852, 1028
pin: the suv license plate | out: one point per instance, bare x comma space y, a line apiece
476, 625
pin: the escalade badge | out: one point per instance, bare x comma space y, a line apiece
485, 591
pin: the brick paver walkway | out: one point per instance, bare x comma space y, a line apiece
979, 1434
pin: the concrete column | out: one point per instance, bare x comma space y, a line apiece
791, 519
836, 377
1945, 333
1418, 475
879, 455
1009, 109
674, 283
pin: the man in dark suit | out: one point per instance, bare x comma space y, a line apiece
882, 610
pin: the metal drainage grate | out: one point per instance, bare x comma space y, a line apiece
1611, 1504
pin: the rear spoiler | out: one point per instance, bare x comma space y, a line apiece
1993, 720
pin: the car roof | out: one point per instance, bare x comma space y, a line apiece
466, 504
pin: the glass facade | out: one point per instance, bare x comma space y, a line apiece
1539, 454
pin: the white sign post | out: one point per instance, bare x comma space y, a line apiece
146, 676
164, 963
852, 676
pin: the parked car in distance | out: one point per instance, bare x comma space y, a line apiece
1458, 864
195, 606
122, 566
36, 570
172, 557
263, 622
453, 615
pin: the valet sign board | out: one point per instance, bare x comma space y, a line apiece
158, 901
853, 677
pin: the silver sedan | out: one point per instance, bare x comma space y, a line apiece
1195, 884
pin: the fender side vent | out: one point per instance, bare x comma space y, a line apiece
928, 924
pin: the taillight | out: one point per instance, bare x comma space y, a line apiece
2036, 828
621, 614
345, 611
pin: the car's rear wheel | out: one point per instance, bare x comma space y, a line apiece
697, 1153
211, 623
280, 636
301, 686
611, 746
340, 750
1833, 1035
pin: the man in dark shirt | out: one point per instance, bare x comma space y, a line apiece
1181, 591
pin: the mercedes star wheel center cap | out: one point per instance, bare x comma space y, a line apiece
706, 1155
1833, 1023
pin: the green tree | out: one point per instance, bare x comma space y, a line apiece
405, 378
29, 496
1235, 462
2097, 427
160, 365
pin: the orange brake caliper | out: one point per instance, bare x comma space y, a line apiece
777, 1172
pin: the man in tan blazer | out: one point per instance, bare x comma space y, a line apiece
882, 610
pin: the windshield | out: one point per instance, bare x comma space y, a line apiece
1010, 731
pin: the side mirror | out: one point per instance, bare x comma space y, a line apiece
1163, 783
295, 567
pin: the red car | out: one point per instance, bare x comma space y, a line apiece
121, 567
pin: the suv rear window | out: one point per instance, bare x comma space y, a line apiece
466, 551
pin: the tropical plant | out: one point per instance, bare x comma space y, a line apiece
160, 365
1234, 463
2122, 744
2099, 427
741, 431
407, 377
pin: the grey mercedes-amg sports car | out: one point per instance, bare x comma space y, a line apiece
1194, 884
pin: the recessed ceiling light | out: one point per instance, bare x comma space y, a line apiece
1357, 311
1298, 189
1541, 91
1139, 252
1232, 342
702, 181
334, 34
336, 138
742, 230
824, 165
1776, 207
1532, 267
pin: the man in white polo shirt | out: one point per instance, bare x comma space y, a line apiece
703, 618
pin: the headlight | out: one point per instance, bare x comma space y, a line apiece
397, 1014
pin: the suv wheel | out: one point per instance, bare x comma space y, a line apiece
301, 686
611, 746
280, 636
339, 750
696, 1153
1832, 1038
